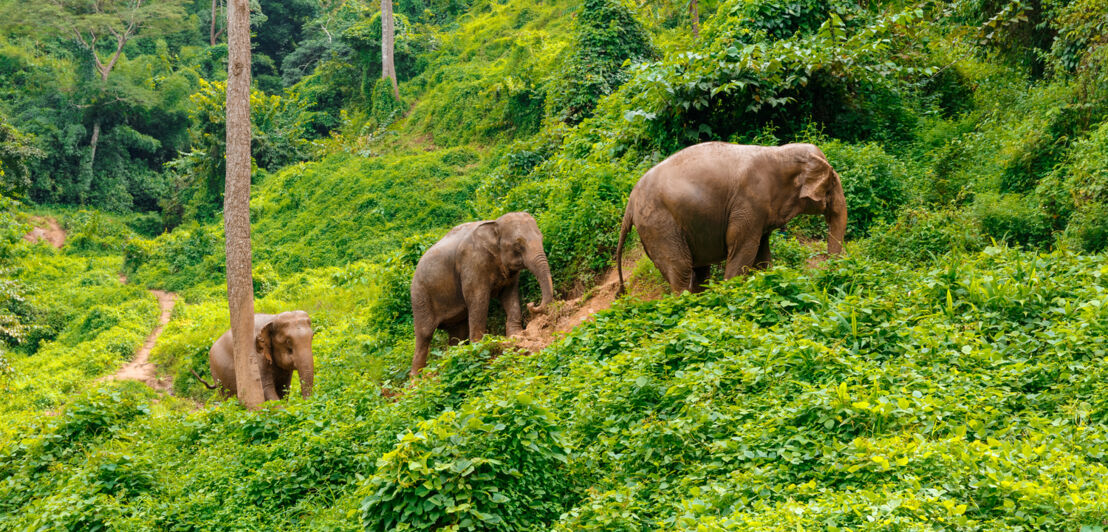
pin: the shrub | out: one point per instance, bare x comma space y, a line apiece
496, 464
1013, 219
1080, 179
94, 232
384, 105
1088, 228
607, 35
921, 235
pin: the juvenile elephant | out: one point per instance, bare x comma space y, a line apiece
284, 342
717, 201
474, 262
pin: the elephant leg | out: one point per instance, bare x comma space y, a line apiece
457, 332
423, 333
742, 248
424, 324
764, 259
477, 308
667, 247
281, 381
700, 276
509, 299
270, 393
268, 374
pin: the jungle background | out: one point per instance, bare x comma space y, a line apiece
947, 372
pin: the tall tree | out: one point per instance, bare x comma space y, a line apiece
236, 206
388, 69
217, 12
103, 28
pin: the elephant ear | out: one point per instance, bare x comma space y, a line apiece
815, 179
487, 237
263, 342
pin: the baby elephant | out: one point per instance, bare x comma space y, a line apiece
473, 263
284, 343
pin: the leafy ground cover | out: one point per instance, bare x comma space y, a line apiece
967, 394
67, 318
946, 374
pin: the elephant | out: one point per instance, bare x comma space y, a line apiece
475, 261
284, 343
719, 201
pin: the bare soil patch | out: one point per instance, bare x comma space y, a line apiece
52, 233
563, 316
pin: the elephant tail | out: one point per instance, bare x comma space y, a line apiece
623, 230
202, 381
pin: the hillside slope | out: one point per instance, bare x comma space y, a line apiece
947, 373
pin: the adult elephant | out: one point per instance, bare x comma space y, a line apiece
284, 343
718, 201
458, 276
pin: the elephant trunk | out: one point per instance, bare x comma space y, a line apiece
836, 221
306, 370
540, 268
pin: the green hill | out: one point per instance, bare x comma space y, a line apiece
946, 373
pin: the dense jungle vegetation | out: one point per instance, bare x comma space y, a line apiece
946, 373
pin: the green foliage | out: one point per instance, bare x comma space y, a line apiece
1014, 219
279, 136
1088, 228
186, 257
480, 86
920, 236
1080, 27
1080, 180
875, 184
346, 208
384, 106
607, 37
95, 233
77, 322
493, 465
15, 149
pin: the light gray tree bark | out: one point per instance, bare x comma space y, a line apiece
388, 38
236, 206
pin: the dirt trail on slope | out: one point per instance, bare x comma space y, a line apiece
140, 369
563, 316
53, 233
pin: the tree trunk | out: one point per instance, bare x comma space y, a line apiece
105, 70
236, 206
388, 69
694, 14
212, 34
92, 144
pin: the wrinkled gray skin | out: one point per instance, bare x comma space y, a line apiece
718, 201
475, 262
284, 342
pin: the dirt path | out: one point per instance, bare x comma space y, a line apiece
563, 316
53, 233
140, 369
